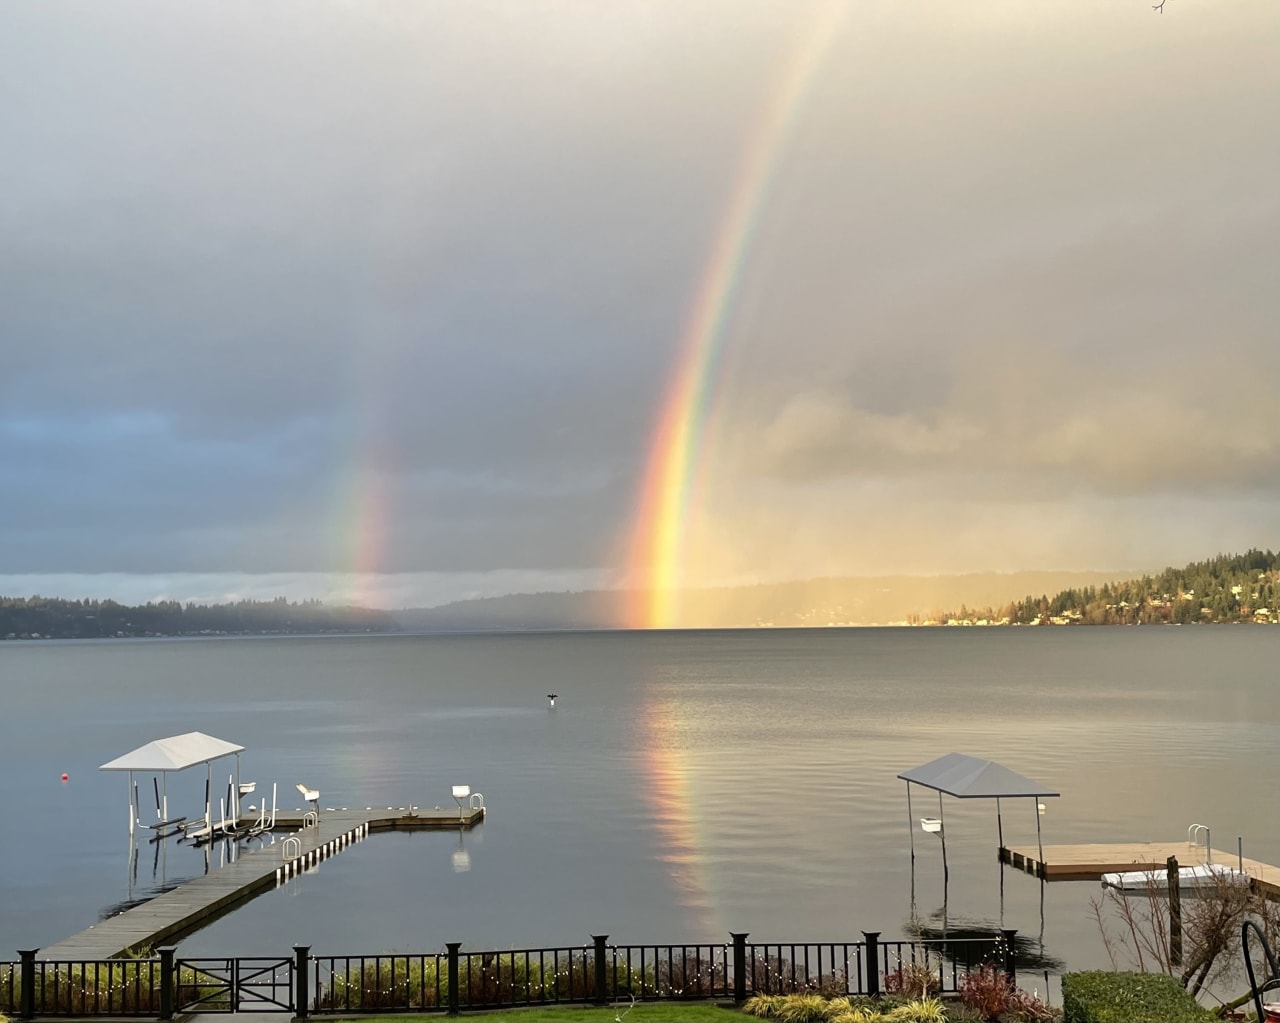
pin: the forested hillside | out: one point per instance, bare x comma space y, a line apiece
1227, 588
52, 618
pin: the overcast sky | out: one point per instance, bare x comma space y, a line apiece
295, 291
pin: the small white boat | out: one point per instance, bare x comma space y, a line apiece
1157, 878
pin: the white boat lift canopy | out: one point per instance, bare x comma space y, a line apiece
176, 753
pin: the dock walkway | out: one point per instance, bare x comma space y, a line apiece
1090, 862
172, 915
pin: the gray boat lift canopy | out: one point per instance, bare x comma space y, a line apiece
966, 777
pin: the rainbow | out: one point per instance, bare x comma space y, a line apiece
656, 555
668, 791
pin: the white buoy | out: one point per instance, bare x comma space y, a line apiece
551, 700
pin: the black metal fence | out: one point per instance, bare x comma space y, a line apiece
453, 980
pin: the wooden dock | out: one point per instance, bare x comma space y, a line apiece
172, 915
1090, 862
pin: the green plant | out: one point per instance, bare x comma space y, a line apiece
411, 982
858, 1014
775, 976
762, 1006
105, 987
802, 1009
921, 1010
1099, 997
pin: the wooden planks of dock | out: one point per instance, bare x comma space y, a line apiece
1089, 862
171, 915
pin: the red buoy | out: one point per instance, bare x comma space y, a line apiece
64, 775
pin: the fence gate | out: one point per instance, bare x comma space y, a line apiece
235, 985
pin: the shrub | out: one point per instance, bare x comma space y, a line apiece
774, 976
802, 1009
409, 982
762, 1006
1099, 997
989, 994
987, 991
858, 1014
915, 979
105, 987
922, 1010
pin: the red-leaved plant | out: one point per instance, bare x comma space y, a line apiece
913, 979
992, 995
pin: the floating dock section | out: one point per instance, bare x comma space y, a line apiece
174, 914
1090, 862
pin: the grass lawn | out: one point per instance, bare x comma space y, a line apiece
645, 1012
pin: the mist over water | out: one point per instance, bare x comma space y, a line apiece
685, 785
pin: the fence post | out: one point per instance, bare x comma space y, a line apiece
1010, 967
27, 975
302, 995
601, 996
453, 947
873, 961
1175, 912
166, 982
739, 966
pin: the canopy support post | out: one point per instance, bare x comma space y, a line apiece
1039, 843
911, 826
946, 873
208, 806
235, 813
131, 814
164, 775
999, 826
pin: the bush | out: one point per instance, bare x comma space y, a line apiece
989, 994
1100, 997
914, 979
802, 1009
762, 1006
921, 1010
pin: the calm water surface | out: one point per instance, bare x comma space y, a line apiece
687, 784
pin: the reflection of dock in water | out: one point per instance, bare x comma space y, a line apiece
184, 909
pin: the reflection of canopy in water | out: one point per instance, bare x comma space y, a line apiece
1028, 954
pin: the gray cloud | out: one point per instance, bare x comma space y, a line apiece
272, 274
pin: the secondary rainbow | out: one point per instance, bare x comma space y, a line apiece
670, 480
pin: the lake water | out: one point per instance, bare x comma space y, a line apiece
687, 784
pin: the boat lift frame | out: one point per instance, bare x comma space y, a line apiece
177, 753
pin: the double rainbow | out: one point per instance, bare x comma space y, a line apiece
657, 548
